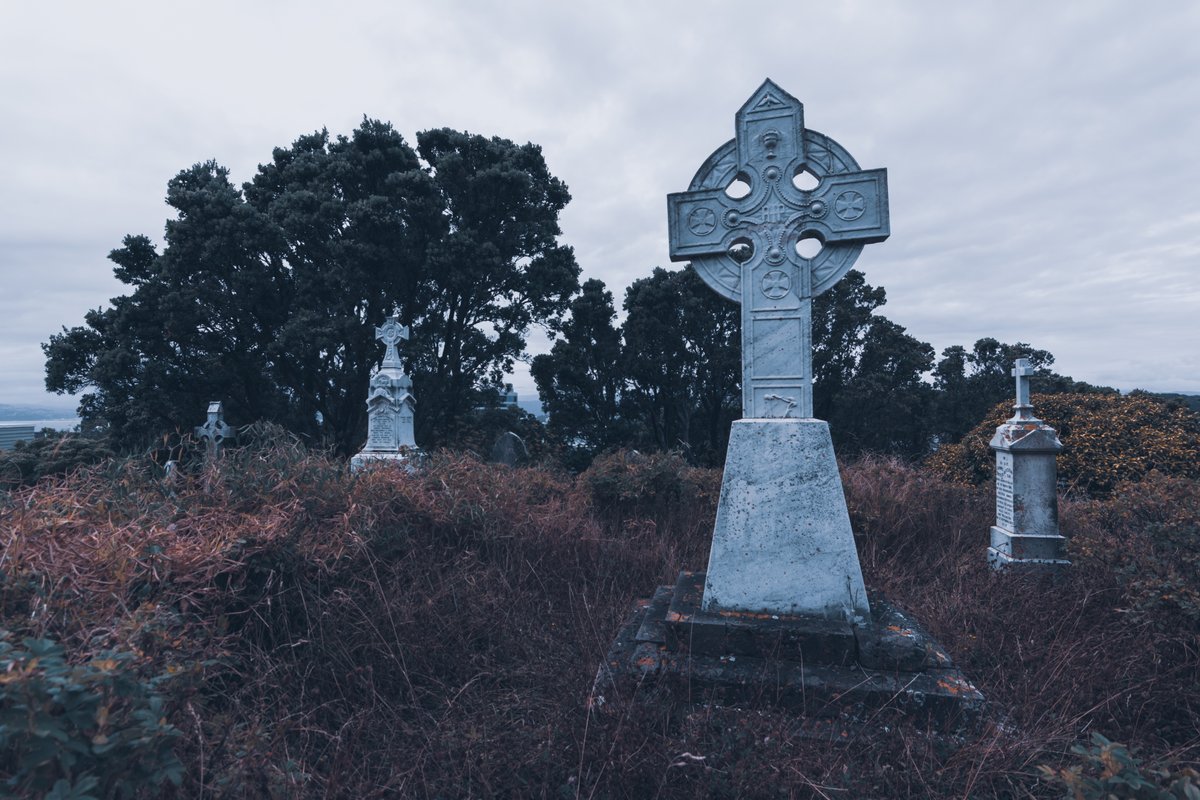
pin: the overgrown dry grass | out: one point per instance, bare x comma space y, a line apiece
436, 634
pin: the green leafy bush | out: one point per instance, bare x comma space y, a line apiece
1146, 535
1107, 439
52, 454
90, 730
658, 487
1108, 771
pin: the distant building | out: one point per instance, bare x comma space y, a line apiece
505, 398
11, 434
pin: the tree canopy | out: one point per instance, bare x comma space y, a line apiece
669, 378
266, 295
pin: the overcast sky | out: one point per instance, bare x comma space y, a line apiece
1042, 157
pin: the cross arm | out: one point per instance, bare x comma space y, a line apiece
853, 207
694, 223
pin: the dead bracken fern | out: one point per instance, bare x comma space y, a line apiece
435, 633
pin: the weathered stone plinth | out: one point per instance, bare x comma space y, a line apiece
782, 542
409, 459
1026, 532
818, 668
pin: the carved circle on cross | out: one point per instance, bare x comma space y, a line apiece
776, 284
391, 333
850, 205
825, 157
702, 221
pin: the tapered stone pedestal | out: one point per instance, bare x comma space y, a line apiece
782, 616
782, 542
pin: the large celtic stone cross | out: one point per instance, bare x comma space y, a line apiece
747, 245
390, 333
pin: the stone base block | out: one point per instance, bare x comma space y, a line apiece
1026, 549
407, 459
818, 668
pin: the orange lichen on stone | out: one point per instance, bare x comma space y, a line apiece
747, 615
954, 685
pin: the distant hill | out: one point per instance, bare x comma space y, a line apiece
533, 407
1192, 401
23, 412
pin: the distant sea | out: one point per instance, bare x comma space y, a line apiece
66, 424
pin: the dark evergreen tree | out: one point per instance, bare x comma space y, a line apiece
266, 297
868, 373
970, 383
581, 381
683, 361
886, 406
841, 318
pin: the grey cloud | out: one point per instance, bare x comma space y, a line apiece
1040, 156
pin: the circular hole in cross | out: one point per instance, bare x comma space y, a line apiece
739, 187
808, 247
741, 250
805, 181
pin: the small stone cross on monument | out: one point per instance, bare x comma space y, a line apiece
390, 404
215, 431
1022, 371
747, 246
391, 333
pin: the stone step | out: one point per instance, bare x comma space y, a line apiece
816, 668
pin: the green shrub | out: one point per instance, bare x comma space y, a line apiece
1146, 535
91, 730
1107, 439
658, 487
52, 454
1108, 771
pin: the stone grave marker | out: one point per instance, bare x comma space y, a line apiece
215, 432
783, 600
509, 449
1026, 530
390, 404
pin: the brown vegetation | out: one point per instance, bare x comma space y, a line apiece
1107, 439
436, 634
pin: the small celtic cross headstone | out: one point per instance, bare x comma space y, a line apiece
215, 431
747, 248
391, 333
